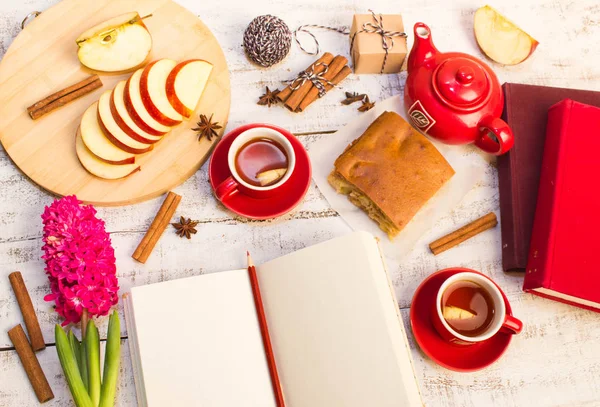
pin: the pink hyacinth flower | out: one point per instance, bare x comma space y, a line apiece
80, 261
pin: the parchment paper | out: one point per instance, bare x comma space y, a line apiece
324, 152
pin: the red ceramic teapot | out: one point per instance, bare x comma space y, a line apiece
454, 97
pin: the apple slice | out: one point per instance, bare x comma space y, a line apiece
500, 39
153, 90
452, 313
137, 111
185, 85
119, 44
96, 141
113, 132
125, 122
100, 168
269, 177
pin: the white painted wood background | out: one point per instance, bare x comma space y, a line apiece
554, 362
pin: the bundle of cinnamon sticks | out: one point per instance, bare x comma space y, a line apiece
299, 95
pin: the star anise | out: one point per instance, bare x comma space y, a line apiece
185, 227
206, 128
366, 105
269, 98
352, 97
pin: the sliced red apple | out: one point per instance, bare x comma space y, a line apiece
119, 44
137, 111
125, 122
95, 140
113, 132
153, 90
185, 85
500, 39
100, 168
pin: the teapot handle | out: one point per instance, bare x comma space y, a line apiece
495, 137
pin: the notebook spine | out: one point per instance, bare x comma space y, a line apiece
539, 265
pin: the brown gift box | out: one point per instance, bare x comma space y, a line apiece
368, 52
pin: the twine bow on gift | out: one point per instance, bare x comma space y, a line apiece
387, 37
317, 79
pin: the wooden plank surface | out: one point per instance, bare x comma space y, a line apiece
554, 362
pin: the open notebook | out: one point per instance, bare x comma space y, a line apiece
337, 336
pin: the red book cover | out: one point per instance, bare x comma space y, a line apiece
526, 112
564, 242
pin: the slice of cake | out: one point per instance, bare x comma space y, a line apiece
390, 172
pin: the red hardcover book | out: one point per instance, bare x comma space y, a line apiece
526, 112
563, 253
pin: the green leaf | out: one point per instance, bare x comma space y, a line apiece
68, 361
112, 360
92, 349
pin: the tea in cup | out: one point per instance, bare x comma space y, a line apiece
261, 160
470, 308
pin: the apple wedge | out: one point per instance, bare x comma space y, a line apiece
113, 132
100, 168
185, 85
500, 39
96, 141
271, 176
125, 122
119, 44
153, 90
137, 111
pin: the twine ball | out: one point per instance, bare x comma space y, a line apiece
267, 40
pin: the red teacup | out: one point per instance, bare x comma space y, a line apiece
235, 183
501, 321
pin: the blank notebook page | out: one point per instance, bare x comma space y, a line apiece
334, 325
200, 344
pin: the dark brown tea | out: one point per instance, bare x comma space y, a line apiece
468, 308
261, 162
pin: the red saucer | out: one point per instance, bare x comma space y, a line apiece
291, 194
460, 358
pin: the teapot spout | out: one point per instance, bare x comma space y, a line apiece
423, 49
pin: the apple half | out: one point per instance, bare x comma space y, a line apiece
100, 168
119, 44
125, 122
113, 132
500, 39
136, 109
153, 90
97, 143
185, 85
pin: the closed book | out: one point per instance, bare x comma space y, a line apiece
562, 261
525, 110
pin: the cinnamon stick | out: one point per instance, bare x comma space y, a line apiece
466, 232
326, 58
158, 226
26, 306
64, 96
31, 364
313, 94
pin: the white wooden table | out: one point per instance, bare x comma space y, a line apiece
554, 362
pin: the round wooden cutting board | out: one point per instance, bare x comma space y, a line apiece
43, 60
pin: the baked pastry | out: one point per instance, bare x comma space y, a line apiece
390, 172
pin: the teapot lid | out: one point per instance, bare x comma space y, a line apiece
461, 83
